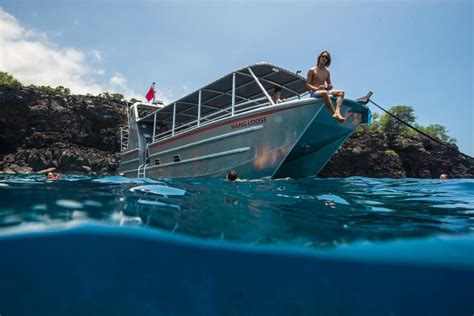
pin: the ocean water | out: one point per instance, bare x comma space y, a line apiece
116, 246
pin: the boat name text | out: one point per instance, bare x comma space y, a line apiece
250, 122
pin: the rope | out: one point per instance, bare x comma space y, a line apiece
422, 133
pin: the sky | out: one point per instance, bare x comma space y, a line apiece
417, 53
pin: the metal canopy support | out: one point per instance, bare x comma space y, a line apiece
154, 128
136, 112
199, 109
202, 106
229, 92
221, 93
174, 119
128, 114
284, 87
261, 87
233, 93
266, 71
121, 138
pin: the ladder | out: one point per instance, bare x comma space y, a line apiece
124, 138
142, 170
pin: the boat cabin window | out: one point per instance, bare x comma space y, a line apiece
157, 161
177, 158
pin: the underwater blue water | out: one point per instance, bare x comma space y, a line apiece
116, 246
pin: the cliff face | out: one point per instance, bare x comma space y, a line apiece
396, 156
73, 133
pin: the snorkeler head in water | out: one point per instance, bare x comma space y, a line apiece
53, 176
232, 175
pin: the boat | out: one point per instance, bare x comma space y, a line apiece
234, 124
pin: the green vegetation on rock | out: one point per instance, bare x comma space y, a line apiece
111, 96
388, 125
391, 152
59, 90
133, 100
7, 79
437, 131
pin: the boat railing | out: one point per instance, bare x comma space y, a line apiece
212, 117
239, 108
186, 112
252, 108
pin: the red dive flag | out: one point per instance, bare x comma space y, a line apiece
151, 93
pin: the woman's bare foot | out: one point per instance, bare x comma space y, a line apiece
339, 117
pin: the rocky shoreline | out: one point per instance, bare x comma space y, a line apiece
376, 155
41, 130
71, 133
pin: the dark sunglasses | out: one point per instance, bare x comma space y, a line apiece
324, 56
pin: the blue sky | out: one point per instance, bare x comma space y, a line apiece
416, 53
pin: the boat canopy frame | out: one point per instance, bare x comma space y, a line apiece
240, 91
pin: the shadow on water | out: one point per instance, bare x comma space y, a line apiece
311, 212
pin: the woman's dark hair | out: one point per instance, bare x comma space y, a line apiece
232, 175
277, 89
329, 58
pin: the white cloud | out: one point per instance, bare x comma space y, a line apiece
31, 58
119, 81
10, 28
161, 94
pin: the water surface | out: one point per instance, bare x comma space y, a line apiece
116, 246
309, 213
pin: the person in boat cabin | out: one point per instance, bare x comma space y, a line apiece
163, 129
276, 97
319, 85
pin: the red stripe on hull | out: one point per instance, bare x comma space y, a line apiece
129, 153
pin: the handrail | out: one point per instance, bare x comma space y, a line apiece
210, 118
214, 116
